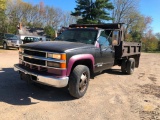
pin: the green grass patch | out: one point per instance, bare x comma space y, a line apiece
151, 51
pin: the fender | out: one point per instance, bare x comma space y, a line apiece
75, 58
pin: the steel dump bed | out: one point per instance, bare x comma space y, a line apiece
126, 49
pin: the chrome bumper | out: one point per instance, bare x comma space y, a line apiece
49, 80
13, 45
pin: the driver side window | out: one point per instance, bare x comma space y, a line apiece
103, 39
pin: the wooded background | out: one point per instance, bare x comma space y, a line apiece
137, 26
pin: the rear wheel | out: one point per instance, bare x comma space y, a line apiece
79, 81
5, 46
130, 66
123, 66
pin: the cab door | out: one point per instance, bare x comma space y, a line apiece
104, 53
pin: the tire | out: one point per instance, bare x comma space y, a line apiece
79, 81
123, 66
5, 46
130, 66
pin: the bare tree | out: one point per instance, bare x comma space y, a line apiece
38, 15
57, 18
123, 8
126, 11
68, 19
158, 36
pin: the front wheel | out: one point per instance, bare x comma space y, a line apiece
79, 81
5, 46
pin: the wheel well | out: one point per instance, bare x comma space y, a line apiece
4, 42
86, 62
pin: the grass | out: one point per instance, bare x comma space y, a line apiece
151, 51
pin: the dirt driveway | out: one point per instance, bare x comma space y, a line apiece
111, 95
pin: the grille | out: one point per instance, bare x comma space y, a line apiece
28, 65
34, 67
34, 61
35, 53
43, 69
14, 41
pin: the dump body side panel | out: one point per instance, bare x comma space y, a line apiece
126, 49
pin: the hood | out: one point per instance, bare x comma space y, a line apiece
11, 39
56, 46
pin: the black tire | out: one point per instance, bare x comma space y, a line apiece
130, 66
79, 81
5, 46
124, 66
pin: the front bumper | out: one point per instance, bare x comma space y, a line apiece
14, 45
48, 80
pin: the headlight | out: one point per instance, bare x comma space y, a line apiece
9, 41
57, 56
57, 65
53, 64
21, 50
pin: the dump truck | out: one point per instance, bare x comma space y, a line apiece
76, 55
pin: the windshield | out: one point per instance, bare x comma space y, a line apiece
87, 36
35, 39
11, 36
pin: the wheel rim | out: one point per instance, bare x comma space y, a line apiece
83, 82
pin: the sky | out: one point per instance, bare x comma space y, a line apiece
147, 8
151, 8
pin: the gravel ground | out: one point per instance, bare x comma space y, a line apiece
110, 96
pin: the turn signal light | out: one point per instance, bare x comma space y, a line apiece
63, 65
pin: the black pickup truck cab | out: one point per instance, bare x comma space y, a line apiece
30, 39
76, 54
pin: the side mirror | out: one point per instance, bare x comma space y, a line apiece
115, 38
114, 42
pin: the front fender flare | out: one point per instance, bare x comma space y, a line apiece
75, 58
